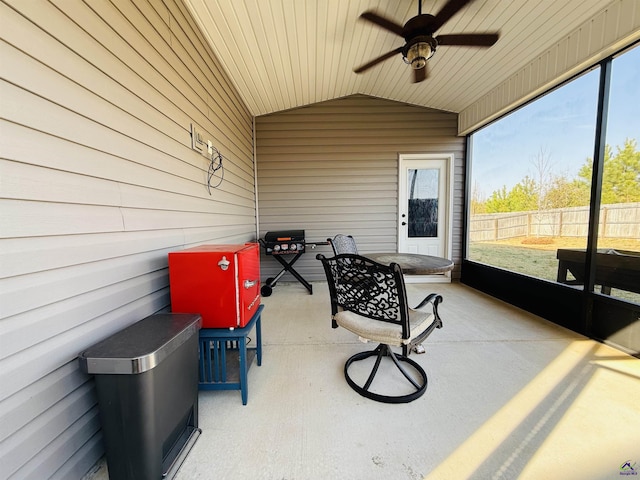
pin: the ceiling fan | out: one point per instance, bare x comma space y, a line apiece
418, 34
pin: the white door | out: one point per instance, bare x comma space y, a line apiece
424, 204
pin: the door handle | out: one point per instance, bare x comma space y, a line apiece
249, 283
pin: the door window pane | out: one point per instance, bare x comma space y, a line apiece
530, 194
423, 187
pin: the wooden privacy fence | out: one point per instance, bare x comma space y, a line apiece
620, 220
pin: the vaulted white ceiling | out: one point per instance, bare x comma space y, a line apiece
282, 54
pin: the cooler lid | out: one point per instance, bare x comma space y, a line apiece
215, 248
141, 346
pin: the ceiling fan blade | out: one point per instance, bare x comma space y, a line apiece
449, 10
468, 39
420, 74
382, 22
376, 61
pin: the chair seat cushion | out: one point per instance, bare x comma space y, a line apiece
384, 332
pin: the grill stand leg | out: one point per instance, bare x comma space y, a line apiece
288, 267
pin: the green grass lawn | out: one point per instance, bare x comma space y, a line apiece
529, 261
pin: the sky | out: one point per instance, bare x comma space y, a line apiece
561, 125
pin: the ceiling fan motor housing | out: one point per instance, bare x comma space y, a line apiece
418, 25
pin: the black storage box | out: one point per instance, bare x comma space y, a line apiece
147, 382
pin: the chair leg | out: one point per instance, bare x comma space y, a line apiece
374, 370
396, 360
381, 351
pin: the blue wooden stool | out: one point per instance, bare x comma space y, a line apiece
216, 343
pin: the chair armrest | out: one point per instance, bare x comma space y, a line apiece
431, 298
435, 300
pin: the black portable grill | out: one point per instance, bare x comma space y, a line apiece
281, 243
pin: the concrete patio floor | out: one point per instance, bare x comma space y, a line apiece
510, 396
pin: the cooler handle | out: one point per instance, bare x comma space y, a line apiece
249, 283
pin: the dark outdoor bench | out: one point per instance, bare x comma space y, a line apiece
614, 269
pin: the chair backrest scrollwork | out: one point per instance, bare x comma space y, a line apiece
367, 288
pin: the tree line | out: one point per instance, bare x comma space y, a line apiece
545, 190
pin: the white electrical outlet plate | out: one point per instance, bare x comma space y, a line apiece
197, 139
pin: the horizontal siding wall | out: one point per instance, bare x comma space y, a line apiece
98, 182
333, 168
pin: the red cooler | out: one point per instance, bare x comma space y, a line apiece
220, 282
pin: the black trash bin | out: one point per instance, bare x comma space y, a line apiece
147, 382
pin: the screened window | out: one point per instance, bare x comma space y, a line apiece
529, 194
618, 250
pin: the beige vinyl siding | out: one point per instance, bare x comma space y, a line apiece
98, 182
332, 168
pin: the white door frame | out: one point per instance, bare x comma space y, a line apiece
448, 210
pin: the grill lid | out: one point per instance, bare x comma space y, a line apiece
284, 236
284, 242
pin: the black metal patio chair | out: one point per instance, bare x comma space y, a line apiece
343, 244
370, 300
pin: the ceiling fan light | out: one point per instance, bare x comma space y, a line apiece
418, 54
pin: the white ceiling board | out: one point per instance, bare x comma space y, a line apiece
282, 54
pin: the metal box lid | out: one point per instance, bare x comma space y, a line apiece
141, 346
